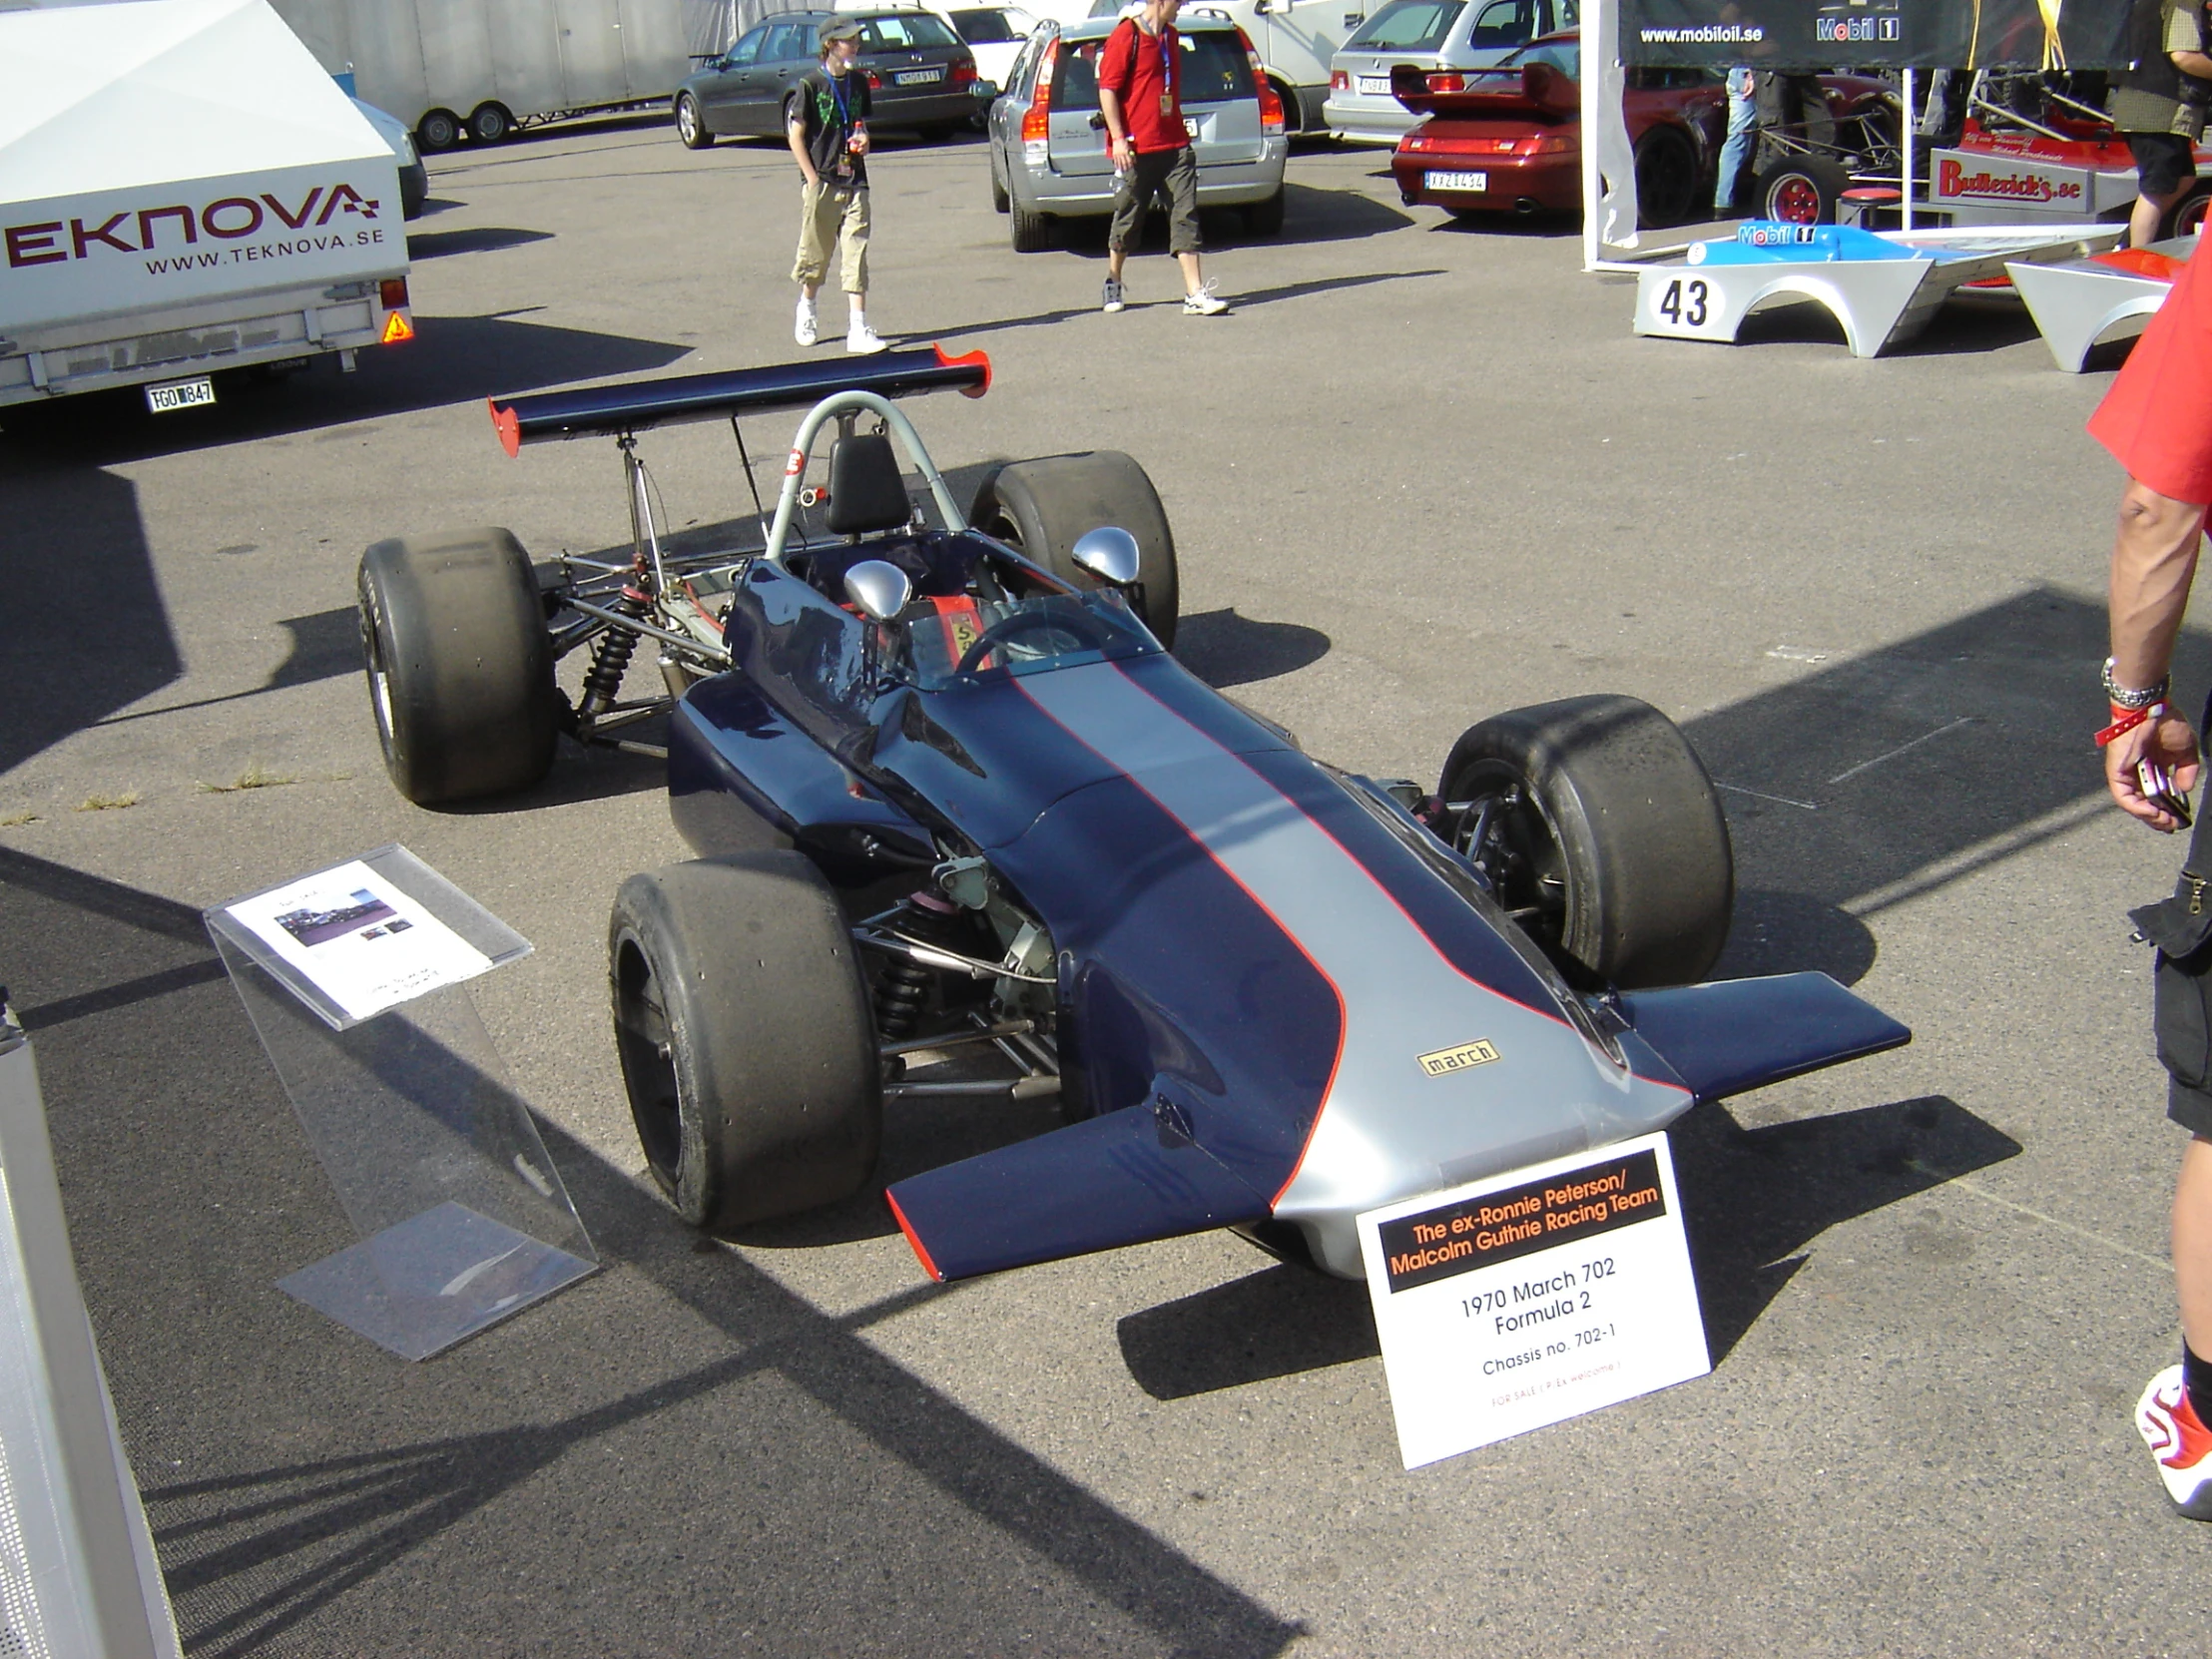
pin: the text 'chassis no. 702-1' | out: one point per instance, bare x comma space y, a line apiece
956, 803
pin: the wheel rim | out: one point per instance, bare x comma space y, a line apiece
1795, 200
647, 1049
2190, 216
1500, 828
687, 119
380, 676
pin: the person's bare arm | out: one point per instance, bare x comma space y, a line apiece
796, 132
2193, 63
2154, 559
1117, 130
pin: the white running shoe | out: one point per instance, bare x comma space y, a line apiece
1203, 301
806, 331
2179, 1441
863, 342
1111, 301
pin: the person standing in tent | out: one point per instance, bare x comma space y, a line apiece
2158, 103
1742, 132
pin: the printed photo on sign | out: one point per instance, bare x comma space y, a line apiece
362, 942
1511, 1304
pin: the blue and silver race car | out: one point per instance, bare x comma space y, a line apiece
965, 827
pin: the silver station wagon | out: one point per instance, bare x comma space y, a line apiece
1048, 136
1439, 37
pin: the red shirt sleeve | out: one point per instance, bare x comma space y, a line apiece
2157, 417
1118, 59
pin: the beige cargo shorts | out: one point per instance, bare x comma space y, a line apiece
829, 212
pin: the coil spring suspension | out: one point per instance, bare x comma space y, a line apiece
898, 998
610, 658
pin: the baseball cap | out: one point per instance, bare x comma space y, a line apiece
839, 28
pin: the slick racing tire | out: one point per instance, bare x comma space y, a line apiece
746, 1044
1042, 508
2187, 215
460, 668
1666, 178
1801, 189
1601, 833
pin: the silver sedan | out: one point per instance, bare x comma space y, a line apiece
1437, 36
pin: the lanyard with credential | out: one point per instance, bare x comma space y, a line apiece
837, 93
1167, 73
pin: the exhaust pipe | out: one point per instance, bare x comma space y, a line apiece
1526, 206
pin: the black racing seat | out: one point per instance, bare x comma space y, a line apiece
866, 493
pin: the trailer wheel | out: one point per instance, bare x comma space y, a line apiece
690, 126
1042, 507
460, 667
492, 124
1598, 829
439, 130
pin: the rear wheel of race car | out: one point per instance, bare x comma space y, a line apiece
1601, 833
460, 668
748, 1049
1042, 508
1801, 189
2186, 216
691, 123
1666, 178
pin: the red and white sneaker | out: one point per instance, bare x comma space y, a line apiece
2179, 1440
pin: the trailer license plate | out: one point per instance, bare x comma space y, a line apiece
1476, 182
916, 77
180, 394
1375, 86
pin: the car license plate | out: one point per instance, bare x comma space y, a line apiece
180, 394
1477, 181
1375, 86
916, 77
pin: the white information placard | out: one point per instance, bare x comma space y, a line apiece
1534, 1297
357, 939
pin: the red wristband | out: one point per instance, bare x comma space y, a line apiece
2129, 719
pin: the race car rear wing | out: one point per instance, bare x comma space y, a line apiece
1533, 92
636, 405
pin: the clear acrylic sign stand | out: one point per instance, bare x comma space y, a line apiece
353, 980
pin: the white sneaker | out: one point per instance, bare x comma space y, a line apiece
865, 340
806, 331
1111, 300
1202, 301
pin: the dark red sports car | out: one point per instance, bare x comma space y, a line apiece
1509, 138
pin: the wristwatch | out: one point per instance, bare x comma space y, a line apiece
2129, 697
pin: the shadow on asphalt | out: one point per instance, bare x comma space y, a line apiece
678, 1455
437, 244
1967, 325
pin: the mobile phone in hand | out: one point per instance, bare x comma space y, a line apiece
2158, 789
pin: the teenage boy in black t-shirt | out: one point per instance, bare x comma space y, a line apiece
825, 120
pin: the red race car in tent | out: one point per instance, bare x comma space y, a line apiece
1509, 138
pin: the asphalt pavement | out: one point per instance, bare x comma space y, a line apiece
1419, 472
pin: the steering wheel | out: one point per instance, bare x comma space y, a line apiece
1087, 632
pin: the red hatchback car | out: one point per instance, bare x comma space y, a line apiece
1509, 138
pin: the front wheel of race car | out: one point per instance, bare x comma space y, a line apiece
460, 668
1600, 834
1042, 508
748, 1049
1801, 189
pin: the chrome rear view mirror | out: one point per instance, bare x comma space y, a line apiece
879, 589
1108, 553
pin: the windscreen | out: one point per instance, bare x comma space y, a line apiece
905, 32
1214, 68
966, 641
1504, 23
984, 28
1408, 26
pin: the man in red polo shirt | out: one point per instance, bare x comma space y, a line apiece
2157, 421
1140, 90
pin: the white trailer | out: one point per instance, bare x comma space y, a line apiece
184, 189
481, 68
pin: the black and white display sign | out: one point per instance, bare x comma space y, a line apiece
1518, 1302
1876, 34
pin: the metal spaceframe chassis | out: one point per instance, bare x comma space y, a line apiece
676, 600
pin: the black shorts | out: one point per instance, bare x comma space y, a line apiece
2164, 161
2191, 1108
